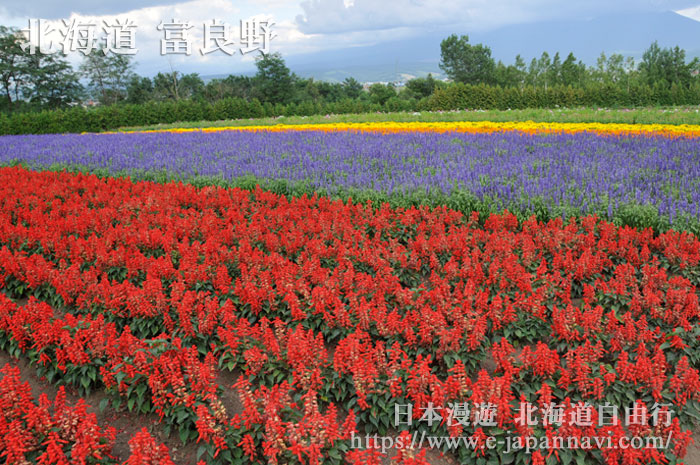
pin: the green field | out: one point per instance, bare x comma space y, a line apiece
656, 115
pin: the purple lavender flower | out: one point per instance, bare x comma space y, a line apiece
581, 172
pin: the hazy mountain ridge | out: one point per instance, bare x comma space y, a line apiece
389, 61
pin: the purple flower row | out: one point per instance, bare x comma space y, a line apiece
583, 172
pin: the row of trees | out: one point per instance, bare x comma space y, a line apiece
273, 83
39, 81
473, 64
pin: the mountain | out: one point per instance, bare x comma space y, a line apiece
625, 34
628, 34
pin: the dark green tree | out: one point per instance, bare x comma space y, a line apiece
139, 90
273, 81
216, 89
240, 86
330, 91
665, 66
610, 69
306, 90
570, 71
533, 73
520, 71
352, 88
166, 86
108, 75
543, 68
53, 83
500, 74
176, 86
191, 87
554, 71
651, 67
422, 87
510, 75
14, 70
380, 93
630, 72
463, 62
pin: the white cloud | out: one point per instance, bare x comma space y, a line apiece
692, 13
52, 9
315, 25
196, 13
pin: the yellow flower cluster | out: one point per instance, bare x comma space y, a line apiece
468, 126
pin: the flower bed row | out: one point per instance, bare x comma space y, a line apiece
472, 127
55, 432
641, 181
335, 313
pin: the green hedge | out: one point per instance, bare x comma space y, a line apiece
105, 118
452, 97
464, 96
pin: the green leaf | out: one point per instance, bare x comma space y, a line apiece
565, 456
103, 404
184, 435
201, 450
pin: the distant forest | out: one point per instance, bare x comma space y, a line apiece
47, 81
105, 92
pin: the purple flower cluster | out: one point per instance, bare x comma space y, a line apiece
584, 171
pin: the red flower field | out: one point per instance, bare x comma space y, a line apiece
335, 316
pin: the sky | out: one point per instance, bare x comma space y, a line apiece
300, 27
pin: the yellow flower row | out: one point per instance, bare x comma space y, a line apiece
467, 126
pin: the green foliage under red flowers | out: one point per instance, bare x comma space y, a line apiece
335, 313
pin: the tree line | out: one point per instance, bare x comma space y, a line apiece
38, 81
32, 83
659, 67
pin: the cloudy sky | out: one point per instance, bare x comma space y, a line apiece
303, 27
